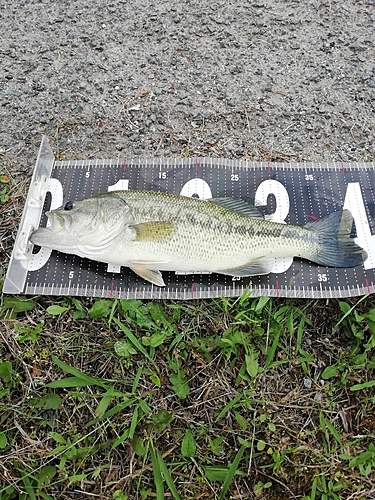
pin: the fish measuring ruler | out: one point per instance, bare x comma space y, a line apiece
295, 193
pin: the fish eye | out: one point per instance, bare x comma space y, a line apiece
69, 205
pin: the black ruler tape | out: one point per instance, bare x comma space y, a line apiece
294, 193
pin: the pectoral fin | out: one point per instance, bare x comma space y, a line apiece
151, 275
253, 268
153, 231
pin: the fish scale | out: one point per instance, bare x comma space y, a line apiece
188, 214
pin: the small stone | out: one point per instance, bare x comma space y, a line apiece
307, 382
183, 140
343, 156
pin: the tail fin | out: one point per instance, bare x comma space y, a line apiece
336, 247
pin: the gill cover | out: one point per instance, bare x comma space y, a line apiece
92, 222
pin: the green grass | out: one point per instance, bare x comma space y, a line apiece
219, 399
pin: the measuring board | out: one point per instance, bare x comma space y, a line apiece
294, 193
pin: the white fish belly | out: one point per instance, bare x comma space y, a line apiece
190, 250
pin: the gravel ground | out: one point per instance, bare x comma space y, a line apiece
273, 79
278, 80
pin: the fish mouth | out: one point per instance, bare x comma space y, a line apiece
55, 233
42, 237
58, 222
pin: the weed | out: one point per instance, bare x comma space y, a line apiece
29, 332
363, 459
4, 181
135, 399
14, 305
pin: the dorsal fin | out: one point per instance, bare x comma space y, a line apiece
238, 205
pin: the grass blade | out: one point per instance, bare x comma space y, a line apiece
113, 310
348, 313
44, 495
134, 423
77, 373
271, 351
158, 479
132, 338
313, 489
112, 411
231, 472
72, 382
28, 487
228, 407
364, 385
300, 330
105, 401
333, 431
136, 380
215, 472
167, 477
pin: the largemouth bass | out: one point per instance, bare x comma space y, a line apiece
151, 232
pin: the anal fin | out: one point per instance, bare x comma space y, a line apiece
253, 268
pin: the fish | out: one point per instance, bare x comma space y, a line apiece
150, 232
